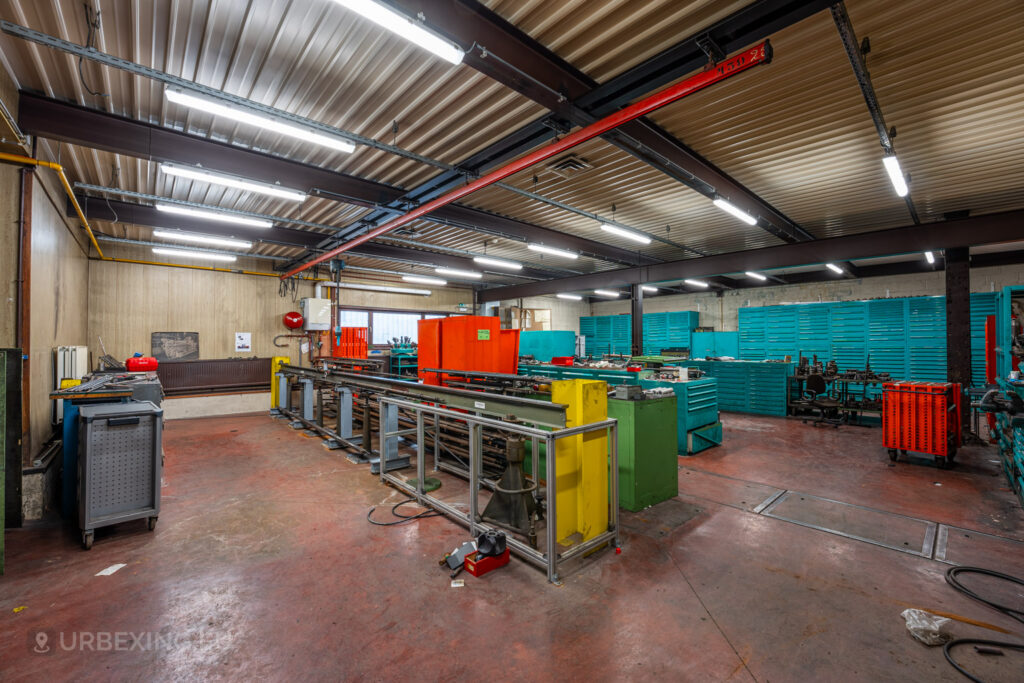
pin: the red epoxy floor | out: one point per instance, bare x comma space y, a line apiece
263, 566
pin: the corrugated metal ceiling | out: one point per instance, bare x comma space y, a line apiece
795, 132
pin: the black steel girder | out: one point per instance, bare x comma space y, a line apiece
99, 209
49, 118
964, 232
513, 58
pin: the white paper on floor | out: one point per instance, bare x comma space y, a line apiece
111, 569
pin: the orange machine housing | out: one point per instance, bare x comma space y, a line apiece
465, 342
345, 342
921, 416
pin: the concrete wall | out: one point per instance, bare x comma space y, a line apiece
565, 315
721, 312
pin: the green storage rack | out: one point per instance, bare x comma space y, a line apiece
697, 408
648, 467
748, 386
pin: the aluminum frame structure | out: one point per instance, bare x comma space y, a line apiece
548, 560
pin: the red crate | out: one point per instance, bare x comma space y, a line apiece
921, 416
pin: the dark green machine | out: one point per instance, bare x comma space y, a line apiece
648, 464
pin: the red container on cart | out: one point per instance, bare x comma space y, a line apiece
562, 360
923, 417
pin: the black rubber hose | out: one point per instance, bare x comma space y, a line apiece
402, 519
973, 641
951, 577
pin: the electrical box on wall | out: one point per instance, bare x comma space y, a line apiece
316, 314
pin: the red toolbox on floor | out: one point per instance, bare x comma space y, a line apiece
923, 417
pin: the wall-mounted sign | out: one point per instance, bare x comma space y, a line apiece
243, 342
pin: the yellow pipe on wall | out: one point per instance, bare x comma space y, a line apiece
209, 268
29, 161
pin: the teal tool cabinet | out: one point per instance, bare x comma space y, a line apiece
543, 345
703, 344
611, 376
697, 424
905, 336
1011, 443
612, 333
749, 386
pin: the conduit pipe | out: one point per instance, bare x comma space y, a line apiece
760, 54
29, 161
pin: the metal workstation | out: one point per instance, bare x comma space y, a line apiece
668, 340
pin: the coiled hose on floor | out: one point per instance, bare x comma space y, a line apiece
952, 579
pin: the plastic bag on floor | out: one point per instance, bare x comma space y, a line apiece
930, 629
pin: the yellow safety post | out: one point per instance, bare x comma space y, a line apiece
581, 462
275, 365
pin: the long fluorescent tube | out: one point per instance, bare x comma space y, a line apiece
455, 272
232, 181
497, 263
930, 256
185, 253
424, 280
899, 181
243, 115
404, 27
606, 292
383, 288
696, 283
551, 250
201, 239
756, 276
735, 211
570, 297
215, 216
834, 268
648, 288
628, 234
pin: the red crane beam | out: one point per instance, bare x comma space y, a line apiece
759, 54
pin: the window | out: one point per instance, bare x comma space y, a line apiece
429, 316
387, 326
353, 318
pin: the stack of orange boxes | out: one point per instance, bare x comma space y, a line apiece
349, 342
923, 417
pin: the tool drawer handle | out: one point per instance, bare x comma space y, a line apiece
119, 421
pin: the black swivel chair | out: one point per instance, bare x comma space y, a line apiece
816, 395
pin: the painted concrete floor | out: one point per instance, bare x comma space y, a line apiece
263, 567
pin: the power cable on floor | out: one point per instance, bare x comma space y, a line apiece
402, 519
952, 575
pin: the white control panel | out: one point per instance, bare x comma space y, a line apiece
316, 314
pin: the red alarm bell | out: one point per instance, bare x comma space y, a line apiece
292, 320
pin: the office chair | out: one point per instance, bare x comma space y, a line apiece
829, 409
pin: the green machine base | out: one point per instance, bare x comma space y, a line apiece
648, 465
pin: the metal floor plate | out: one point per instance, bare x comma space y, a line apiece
906, 534
964, 546
736, 493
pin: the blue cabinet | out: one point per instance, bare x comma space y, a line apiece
613, 333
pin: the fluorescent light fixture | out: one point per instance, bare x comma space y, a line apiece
232, 181
242, 114
424, 280
185, 253
405, 27
735, 211
696, 283
899, 181
570, 297
648, 288
383, 288
628, 234
551, 250
930, 256
215, 216
756, 276
834, 268
455, 272
497, 263
606, 292
201, 239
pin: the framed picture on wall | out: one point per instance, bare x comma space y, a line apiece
175, 345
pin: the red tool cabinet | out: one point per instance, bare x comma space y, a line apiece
923, 417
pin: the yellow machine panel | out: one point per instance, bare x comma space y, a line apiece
275, 364
581, 462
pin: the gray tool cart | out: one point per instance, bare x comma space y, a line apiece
119, 465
